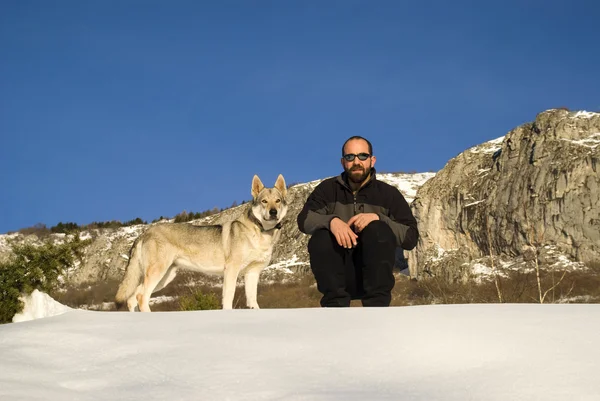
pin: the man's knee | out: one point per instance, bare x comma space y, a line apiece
378, 231
322, 241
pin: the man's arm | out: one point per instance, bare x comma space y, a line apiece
401, 221
314, 214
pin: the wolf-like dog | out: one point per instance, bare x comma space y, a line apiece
241, 246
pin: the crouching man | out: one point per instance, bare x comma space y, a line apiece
356, 223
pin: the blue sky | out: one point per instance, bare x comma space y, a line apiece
112, 110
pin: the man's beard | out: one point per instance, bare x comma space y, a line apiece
357, 175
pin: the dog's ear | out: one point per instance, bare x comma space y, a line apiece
280, 185
257, 186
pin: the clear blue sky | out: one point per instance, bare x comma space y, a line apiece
111, 110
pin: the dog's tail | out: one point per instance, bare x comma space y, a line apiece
133, 275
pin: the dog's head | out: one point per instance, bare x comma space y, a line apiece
269, 205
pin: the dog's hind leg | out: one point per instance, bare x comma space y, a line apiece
251, 282
154, 275
167, 278
230, 276
132, 302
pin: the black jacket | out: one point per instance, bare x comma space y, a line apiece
334, 198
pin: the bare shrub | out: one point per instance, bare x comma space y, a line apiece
88, 293
40, 230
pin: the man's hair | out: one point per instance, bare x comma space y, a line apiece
358, 137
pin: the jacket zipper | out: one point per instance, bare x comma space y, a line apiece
354, 194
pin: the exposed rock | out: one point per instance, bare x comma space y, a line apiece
538, 185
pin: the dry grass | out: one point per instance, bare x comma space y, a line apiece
87, 293
300, 294
576, 287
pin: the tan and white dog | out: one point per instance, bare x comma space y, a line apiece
242, 246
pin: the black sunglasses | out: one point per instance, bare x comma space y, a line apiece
361, 156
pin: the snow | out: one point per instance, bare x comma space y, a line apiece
39, 305
579, 298
591, 142
408, 184
440, 252
488, 147
585, 114
483, 272
284, 265
497, 141
6, 240
439, 352
474, 203
564, 263
555, 260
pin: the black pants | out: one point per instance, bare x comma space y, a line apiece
364, 272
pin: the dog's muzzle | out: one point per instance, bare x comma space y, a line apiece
273, 213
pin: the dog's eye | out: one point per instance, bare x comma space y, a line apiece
264, 201
278, 200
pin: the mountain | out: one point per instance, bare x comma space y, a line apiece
528, 198
532, 194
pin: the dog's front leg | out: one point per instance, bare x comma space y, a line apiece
251, 280
229, 282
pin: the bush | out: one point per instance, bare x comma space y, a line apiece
40, 230
65, 228
33, 267
184, 216
112, 224
199, 301
135, 222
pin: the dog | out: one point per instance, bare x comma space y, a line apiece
242, 246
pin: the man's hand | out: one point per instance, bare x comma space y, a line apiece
343, 233
361, 220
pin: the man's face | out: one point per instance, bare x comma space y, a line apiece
357, 170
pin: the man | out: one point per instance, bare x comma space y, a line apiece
356, 223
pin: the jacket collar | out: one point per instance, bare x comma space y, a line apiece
343, 180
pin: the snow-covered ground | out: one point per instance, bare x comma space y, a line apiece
444, 352
39, 305
408, 184
488, 147
585, 114
591, 141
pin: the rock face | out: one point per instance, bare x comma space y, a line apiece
538, 185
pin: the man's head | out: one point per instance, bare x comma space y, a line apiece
353, 150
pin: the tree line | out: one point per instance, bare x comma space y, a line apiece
41, 230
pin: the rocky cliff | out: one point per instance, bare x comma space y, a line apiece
536, 186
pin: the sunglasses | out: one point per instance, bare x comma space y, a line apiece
361, 156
